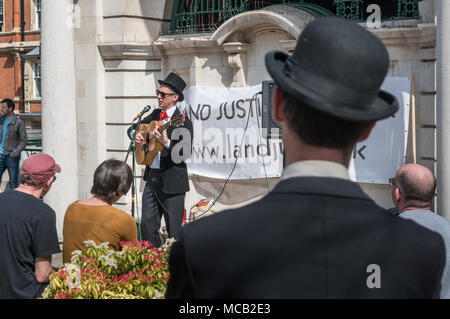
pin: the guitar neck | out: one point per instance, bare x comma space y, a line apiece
171, 122
165, 126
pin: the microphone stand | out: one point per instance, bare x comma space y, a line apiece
131, 149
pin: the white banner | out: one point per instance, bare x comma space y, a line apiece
221, 115
376, 159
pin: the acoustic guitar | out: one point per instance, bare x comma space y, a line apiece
146, 153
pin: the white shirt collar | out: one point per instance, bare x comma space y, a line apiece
170, 111
315, 169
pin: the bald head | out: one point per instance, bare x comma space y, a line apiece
417, 184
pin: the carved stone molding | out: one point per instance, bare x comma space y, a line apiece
237, 60
288, 45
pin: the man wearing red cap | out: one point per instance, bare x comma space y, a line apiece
28, 236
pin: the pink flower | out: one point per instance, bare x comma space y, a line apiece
145, 243
63, 272
62, 295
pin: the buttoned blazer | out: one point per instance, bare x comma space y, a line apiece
310, 237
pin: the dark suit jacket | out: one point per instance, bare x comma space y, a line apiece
174, 175
310, 237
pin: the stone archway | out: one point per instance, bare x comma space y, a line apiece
236, 34
287, 18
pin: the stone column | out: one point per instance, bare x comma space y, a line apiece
90, 82
59, 118
443, 107
17, 77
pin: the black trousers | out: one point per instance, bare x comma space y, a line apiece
155, 205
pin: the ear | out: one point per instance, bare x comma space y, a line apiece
367, 132
278, 105
397, 195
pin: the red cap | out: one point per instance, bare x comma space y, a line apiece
41, 166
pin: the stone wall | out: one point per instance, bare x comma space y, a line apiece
122, 49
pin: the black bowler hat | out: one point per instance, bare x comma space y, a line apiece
338, 68
176, 83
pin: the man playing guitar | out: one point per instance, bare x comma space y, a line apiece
166, 178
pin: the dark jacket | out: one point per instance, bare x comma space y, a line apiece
174, 175
310, 237
16, 136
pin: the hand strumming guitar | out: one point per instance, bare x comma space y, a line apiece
160, 137
139, 139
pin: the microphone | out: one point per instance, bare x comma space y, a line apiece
145, 110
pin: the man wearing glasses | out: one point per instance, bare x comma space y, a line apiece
413, 190
167, 177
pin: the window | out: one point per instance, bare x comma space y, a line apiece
37, 79
37, 4
198, 16
1, 15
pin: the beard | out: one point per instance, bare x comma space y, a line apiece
45, 190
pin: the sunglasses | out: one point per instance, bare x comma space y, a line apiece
393, 183
163, 94
54, 179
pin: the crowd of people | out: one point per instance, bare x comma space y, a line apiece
315, 235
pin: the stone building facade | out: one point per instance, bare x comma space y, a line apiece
115, 51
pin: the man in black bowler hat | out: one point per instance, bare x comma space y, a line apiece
166, 178
316, 234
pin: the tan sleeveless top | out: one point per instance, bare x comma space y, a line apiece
97, 223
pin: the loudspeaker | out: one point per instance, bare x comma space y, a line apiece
271, 128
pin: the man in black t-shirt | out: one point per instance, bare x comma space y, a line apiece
28, 235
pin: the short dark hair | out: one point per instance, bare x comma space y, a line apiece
317, 128
416, 194
30, 180
112, 179
10, 103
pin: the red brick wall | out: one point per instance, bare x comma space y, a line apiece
7, 76
35, 107
10, 69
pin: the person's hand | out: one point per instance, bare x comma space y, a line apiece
161, 137
14, 154
139, 139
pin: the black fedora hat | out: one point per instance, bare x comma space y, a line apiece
337, 67
176, 83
